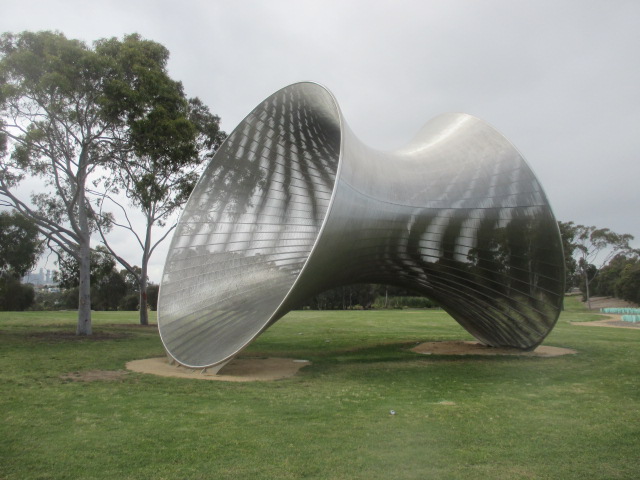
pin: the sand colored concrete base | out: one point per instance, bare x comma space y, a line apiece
238, 370
475, 348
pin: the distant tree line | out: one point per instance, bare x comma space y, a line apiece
366, 296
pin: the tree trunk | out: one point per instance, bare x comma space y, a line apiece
586, 288
144, 312
84, 261
84, 291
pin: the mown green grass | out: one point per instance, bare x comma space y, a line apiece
457, 417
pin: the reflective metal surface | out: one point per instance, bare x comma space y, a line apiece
293, 204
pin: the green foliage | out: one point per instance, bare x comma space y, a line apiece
129, 302
163, 126
50, 88
609, 275
68, 273
365, 296
620, 278
344, 298
568, 232
110, 289
14, 296
20, 248
457, 417
20, 245
50, 300
131, 279
152, 296
628, 287
404, 302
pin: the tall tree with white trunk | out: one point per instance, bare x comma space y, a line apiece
74, 117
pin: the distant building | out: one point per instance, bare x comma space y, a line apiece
43, 277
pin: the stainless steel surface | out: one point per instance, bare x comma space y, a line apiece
293, 204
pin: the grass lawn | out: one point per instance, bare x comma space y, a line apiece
575, 416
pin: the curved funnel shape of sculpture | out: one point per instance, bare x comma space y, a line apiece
293, 204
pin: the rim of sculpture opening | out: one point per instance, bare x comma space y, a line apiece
323, 122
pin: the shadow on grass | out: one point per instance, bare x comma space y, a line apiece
394, 353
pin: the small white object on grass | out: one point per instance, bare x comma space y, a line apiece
392, 412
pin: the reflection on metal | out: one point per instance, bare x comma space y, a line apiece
294, 204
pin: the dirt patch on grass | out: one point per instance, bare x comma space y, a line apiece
475, 348
94, 375
238, 370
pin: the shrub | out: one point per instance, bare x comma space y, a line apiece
129, 302
404, 302
15, 296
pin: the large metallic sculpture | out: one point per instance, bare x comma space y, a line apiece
293, 204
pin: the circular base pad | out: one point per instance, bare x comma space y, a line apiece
238, 370
474, 348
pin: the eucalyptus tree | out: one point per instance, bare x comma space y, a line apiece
50, 93
167, 148
68, 114
594, 248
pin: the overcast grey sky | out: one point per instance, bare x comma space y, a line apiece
560, 79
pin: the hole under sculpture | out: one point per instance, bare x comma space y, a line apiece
293, 204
